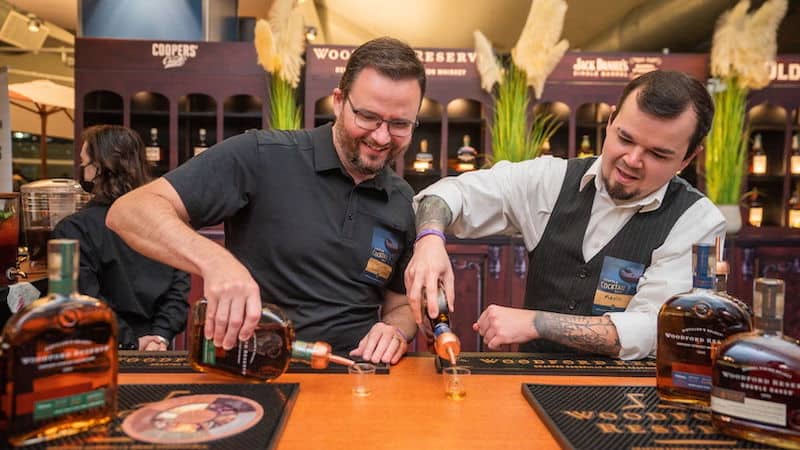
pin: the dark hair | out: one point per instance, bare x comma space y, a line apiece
118, 154
667, 94
390, 57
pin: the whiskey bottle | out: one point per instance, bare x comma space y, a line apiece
689, 326
795, 160
60, 354
756, 376
201, 142
758, 162
794, 208
423, 160
466, 155
445, 343
153, 150
265, 356
585, 151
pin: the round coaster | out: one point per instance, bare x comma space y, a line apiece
192, 419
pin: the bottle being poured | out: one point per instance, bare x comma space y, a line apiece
446, 343
265, 356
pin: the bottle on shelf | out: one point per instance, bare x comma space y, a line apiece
466, 155
546, 150
60, 354
756, 376
794, 207
758, 159
423, 161
585, 150
152, 151
755, 212
265, 356
445, 342
690, 325
201, 142
795, 159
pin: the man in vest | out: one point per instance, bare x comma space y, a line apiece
609, 238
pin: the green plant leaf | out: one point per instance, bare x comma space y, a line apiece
6, 215
284, 110
726, 145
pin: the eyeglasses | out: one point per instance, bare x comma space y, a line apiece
371, 121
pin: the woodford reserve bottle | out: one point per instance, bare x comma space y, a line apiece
688, 326
266, 355
756, 377
60, 354
445, 342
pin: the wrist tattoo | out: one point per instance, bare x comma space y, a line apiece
433, 212
590, 334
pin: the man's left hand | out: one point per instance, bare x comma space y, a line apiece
383, 344
500, 325
152, 343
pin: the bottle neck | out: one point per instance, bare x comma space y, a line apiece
722, 283
62, 266
768, 325
63, 286
302, 351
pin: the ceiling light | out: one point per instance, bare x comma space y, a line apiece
34, 23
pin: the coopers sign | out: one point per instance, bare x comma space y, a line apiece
173, 54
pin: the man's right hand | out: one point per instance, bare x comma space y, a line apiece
429, 267
234, 303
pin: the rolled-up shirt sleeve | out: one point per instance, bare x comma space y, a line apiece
669, 273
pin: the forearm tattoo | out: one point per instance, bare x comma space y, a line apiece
433, 212
589, 334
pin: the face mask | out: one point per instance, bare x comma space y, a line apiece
87, 186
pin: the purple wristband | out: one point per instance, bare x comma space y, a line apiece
397, 330
428, 231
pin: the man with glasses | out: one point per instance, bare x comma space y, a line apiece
315, 221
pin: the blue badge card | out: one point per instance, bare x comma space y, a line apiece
384, 252
617, 285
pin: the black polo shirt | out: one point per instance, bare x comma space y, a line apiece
321, 248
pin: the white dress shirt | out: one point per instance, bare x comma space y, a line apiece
515, 198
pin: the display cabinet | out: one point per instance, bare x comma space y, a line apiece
176, 88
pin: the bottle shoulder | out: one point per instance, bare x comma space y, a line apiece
757, 345
50, 311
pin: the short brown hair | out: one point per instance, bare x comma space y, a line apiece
118, 154
389, 57
667, 94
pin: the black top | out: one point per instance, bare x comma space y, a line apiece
320, 247
561, 281
148, 297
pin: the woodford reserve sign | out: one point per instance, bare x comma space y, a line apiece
453, 63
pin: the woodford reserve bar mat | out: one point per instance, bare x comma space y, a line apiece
623, 417
178, 362
276, 400
549, 364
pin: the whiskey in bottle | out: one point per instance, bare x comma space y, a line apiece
445, 342
152, 151
466, 155
585, 150
758, 161
60, 356
690, 325
201, 142
756, 376
263, 357
795, 159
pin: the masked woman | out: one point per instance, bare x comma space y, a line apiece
149, 298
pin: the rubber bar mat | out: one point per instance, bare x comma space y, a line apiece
277, 400
623, 417
178, 362
549, 364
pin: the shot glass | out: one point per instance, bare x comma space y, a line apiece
361, 375
9, 236
455, 382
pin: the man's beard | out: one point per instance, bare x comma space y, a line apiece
618, 192
351, 150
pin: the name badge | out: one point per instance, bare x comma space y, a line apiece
383, 254
616, 285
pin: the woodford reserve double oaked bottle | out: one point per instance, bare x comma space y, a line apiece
266, 355
756, 377
445, 342
60, 356
689, 325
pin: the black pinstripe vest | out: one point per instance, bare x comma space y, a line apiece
559, 279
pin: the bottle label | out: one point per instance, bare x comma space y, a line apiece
152, 154
209, 352
795, 164
440, 328
692, 376
59, 406
767, 395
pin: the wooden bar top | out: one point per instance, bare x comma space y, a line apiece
408, 410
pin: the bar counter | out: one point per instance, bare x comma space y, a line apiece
408, 410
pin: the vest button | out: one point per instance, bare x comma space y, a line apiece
572, 305
583, 272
